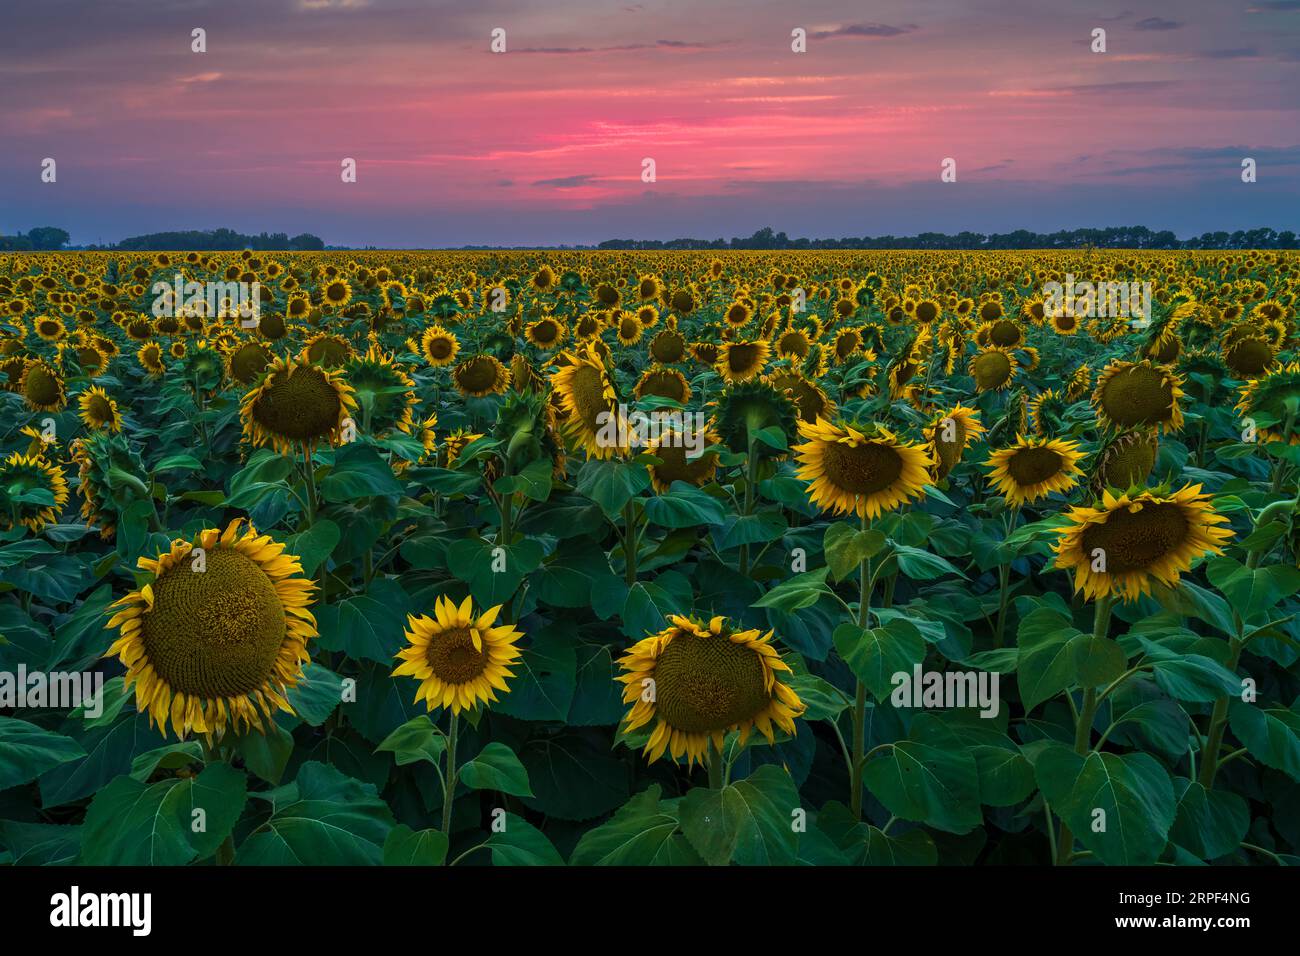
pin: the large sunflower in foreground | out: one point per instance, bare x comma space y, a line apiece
460, 660
1137, 395
215, 638
1127, 542
860, 469
296, 404
586, 394
20, 475
1033, 468
698, 681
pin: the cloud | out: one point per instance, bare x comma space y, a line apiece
865, 30
1237, 53
1156, 23
569, 182
622, 48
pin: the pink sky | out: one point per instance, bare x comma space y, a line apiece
545, 142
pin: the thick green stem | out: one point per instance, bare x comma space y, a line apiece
450, 778
1083, 725
715, 767
860, 697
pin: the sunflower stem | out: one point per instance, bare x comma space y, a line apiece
629, 542
715, 767
860, 695
1083, 726
450, 778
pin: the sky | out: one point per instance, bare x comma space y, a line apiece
545, 143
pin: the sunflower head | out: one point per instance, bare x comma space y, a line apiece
460, 659
862, 470
439, 346
1033, 468
42, 387
385, 394
218, 634
1138, 395
590, 404
993, 368
1125, 462
747, 408
1125, 543
480, 375
98, 410
949, 434
32, 492
697, 681
296, 404
1275, 397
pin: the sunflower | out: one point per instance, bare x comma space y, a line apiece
1125, 462
1249, 356
747, 408
50, 328
993, 369
98, 410
336, 292
22, 475
741, 361
811, 398
247, 361
676, 464
383, 390
793, 343
949, 435
149, 356
699, 681
42, 387
217, 635
296, 404
1137, 395
480, 375
546, 333
738, 314
1065, 323
460, 660
1033, 468
668, 346
1270, 395
860, 469
628, 327
586, 394
439, 346
1120, 547
649, 287
664, 382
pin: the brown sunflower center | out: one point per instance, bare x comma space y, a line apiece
248, 362
439, 346
216, 632
1250, 357
1029, 466
453, 656
1136, 540
479, 374
992, 370
40, 386
99, 410
667, 347
1138, 395
302, 406
706, 684
666, 384
587, 388
862, 470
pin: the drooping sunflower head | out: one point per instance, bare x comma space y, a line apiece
680, 460
150, 357
665, 383
811, 398
698, 681
439, 346
862, 470
32, 492
480, 375
1138, 395
1274, 397
746, 408
949, 434
98, 410
1033, 468
741, 361
1249, 356
993, 369
42, 387
460, 659
218, 635
385, 394
1125, 462
668, 346
586, 395
326, 350
1125, 543
296, 405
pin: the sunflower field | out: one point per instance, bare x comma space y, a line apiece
679, 558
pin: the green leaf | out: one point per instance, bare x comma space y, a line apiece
801, 591
641, 833
847, 547
332, 820
134, 824
612, 484
1210, 823
1253, 591
407, 847
417, 739
927, 784
1132, 792
748, 822
496, 768
877, 654
1097, 660
684, 506
1191, 677
522, 844
545, 676
1046, 664
27, 751
1271, 736
922, 565
315, 544
358, 472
